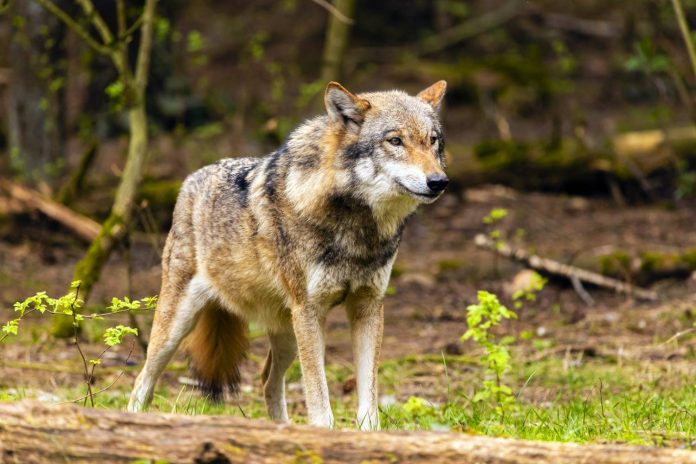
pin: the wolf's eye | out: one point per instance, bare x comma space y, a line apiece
433, 140
396, 141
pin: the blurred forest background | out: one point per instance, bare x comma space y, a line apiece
576, 118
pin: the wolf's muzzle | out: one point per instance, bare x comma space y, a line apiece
437, 182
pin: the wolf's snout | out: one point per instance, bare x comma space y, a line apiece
437, 182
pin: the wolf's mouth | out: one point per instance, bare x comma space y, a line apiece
429, 196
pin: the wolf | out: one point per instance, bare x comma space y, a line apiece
283, 239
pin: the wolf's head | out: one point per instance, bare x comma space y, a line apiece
392, 143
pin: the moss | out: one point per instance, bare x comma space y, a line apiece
307, 457
651, 261
397, 271
449, 265
615, 263
688, 258
159, 193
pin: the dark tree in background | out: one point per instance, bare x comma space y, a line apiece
36, 109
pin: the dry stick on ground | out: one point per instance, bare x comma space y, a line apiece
551, 266
83, 226
35, 432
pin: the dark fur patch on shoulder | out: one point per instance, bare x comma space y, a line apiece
272, 172
241, 182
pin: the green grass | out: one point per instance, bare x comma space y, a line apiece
593, 401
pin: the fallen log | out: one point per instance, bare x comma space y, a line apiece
640, 162
551, 266
83, 226
32, 432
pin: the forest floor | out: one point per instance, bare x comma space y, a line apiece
620, 370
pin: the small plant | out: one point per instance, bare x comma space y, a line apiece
481, 319
529, 292
69, 306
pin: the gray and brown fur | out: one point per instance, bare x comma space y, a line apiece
281, 240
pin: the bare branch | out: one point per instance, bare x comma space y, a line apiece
133, 27
5, 5
551, 266
76, 28
686, 34
97, 21
143, 64
334, 11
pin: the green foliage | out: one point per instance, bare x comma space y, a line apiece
495, 215
194, 42
685, 180
114, 335
481, 319
529, 293
491, 219
68, 306
647, 58
116, 92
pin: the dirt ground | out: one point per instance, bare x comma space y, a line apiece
437, 274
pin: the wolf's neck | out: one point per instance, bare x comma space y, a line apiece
317, 183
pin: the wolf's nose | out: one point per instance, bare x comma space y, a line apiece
437, 182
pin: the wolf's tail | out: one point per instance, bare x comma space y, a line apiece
217, 345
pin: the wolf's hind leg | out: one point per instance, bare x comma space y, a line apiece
281, 354
176, 315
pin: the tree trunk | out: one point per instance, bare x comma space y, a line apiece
36, 109
32, 432
336, 40
88, 269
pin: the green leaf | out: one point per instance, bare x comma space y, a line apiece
495, 215
114, 335
11, 327
115, 90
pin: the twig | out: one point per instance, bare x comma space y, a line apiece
580, 290
678, 335
88, 376
72, 24
554, 267
120, 374
133, 27
334, 11
97, 21
150, 227
133, 321
5, 5
686, 34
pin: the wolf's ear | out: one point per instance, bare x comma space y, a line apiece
344, 108
433, 94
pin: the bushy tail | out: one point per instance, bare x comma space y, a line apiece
217, 345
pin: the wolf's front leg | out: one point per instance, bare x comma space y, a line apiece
367, 323
308, 324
